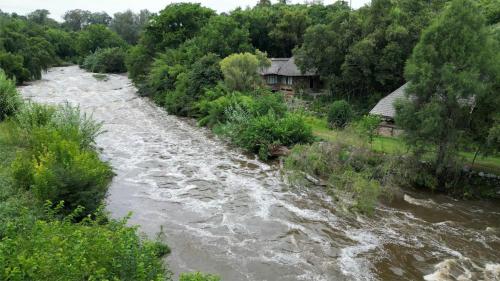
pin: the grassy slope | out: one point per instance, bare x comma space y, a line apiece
393, 145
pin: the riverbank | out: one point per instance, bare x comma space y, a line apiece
395, 145
43, 240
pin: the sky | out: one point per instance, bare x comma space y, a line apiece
58, 7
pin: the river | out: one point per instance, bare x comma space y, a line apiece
225, 212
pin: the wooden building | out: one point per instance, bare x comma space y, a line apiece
283, 75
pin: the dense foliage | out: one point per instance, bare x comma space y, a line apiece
10, 100
96, 37
59, 163
361, 54
109, 60
30, 45
129, 25
25, 50
241, 71
453, 80
354, 174
340, 114
93, 249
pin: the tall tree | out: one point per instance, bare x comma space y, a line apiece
175, 24
99, 18
264, 3
129, 25
41, 17
453, 77
222, 36
97, 36
326, 45
241, 71
76, 19
289, 30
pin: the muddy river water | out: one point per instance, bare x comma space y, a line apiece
225, 212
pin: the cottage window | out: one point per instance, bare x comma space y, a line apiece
272, 79
288, 80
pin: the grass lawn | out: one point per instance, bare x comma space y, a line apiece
391, 145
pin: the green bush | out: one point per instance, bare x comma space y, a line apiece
10, 100
33, 115
75, 125
97, 36
138, 62
63, 43
266, 102
66, 120
241, 71
89, 250
13, 66
367, 127
215, 111
216, 103
60, 163
340, 114
197, 276
62, 171
204, 73
358, 176
162, 77
110, 60
262, 133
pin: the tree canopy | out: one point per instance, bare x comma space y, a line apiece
453, 84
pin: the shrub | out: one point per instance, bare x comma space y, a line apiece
216, 102
340, 114
197, 276
138, 62
367, 126
359, 174
75, 125
13, 66
241, 71
97, 36
179, 101
33, 115
89, 250
66, 120
260, 134
361, 186
266, 102
60, 163
162, 77
215, 111
110, 60
10, 99
62, 171
204, 73
63, 43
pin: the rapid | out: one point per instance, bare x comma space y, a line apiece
223, 211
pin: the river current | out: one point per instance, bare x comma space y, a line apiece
225, 212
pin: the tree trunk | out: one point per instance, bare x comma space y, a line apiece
474, 159
441, 165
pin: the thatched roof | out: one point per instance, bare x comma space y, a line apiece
285, 67
385, 107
